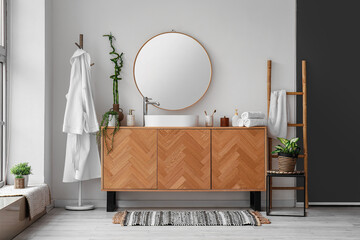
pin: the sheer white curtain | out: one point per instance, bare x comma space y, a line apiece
3, 94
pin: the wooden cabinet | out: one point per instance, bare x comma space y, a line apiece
132, 164
238, 159
184, 159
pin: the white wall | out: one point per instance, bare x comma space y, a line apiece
239, 35
48, 92
26, 71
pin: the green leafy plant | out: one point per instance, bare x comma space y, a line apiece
21, 169
289, 147
118, 64
104, 126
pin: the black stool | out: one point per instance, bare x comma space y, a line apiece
270, 174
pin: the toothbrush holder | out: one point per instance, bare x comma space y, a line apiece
209, 121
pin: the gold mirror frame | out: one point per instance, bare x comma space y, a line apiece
155, 99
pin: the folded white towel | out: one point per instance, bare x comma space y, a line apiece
253, 115
277, 124
240, 122
254, 122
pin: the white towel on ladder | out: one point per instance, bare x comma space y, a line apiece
277, 122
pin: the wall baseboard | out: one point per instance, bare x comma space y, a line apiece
334, 203
171, 203
50, 206
346, 204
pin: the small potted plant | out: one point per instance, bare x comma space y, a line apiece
21, 172
287, 154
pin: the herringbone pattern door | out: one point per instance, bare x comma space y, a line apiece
184, 159
132, 163
238, 160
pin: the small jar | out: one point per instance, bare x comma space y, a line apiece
224, 122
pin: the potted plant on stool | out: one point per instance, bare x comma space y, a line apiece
21, 172
287, 154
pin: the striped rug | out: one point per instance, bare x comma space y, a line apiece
189, 218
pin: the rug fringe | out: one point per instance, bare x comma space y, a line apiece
261, 219
119, 218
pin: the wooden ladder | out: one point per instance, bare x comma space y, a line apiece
303, 125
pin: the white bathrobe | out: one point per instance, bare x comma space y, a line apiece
82, 160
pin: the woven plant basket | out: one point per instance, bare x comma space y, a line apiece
19, 183
286, 163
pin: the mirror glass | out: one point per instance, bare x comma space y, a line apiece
173, 69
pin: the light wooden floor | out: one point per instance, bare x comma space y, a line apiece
321, 223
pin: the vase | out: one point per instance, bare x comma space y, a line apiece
117, 109
287, 162
19, 183
112, 121
26, 180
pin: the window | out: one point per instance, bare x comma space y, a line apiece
3, 91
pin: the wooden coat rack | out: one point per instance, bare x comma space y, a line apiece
80, 206
81, 45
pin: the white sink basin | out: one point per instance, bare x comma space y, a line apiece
171, 120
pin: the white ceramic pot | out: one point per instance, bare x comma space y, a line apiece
26, 180
112, 121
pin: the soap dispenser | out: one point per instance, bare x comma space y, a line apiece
130, 120
235, 119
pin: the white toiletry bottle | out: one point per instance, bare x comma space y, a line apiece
130, 120
235, 119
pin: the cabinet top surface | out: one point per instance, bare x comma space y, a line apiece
195, 128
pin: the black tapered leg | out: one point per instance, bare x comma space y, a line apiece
111, 202
304, 182
268, 195
255, 201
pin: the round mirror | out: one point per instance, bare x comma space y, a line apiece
174, 69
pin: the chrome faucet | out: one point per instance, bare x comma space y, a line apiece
146, 102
